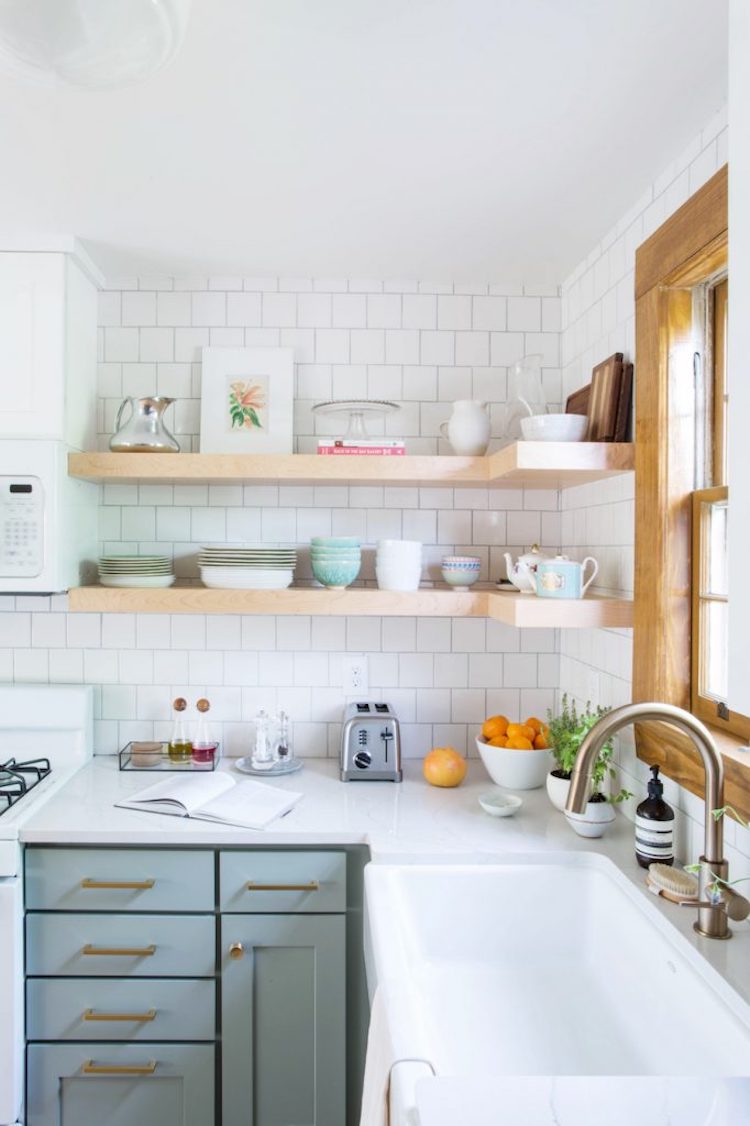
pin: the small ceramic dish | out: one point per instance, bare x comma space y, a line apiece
498, 804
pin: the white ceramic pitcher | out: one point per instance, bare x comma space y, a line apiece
468, 428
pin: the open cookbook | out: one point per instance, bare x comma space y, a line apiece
214, 797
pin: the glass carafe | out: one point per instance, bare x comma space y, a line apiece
525, 394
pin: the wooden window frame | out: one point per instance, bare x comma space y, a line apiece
689, 249
702, 706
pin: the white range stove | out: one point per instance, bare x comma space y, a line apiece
46, 735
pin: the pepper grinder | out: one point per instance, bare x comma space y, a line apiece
262, 756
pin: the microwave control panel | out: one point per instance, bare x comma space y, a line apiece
21, 527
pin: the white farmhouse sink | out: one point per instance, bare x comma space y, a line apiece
551, 965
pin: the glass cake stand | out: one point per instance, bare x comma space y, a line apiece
357, 411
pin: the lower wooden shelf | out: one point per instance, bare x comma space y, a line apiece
520, 610
526, 611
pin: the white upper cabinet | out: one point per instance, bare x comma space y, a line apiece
47, 349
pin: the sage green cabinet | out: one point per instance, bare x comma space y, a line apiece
283, 1020
120, 1085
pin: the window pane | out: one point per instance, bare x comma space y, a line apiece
715, 617
716, 578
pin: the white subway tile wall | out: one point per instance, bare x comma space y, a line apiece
598, 318
423, 345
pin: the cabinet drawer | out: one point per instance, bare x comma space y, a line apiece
133, 1009
83, 879
120, 1084
273, 882
120, 945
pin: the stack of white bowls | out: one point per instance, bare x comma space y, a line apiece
135, 570
398, 564
247, 568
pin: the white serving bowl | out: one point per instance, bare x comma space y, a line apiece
554, 427
515, 770
246, 578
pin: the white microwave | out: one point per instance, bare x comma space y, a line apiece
48, 521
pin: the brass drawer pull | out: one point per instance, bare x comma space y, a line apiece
138, 1018
88, 1067
118, 885
120, 951
236, 950
313, 885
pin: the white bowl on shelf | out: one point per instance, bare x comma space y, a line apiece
246, 578
398, 578
515, 770
554, 427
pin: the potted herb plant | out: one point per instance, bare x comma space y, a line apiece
567, 730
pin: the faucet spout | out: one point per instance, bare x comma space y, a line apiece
712, 916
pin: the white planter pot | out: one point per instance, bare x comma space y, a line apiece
594, 820
557, 790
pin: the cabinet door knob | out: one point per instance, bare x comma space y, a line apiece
236, 950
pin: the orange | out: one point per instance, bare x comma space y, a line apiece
520, 729
534, 723
519, 743
540, 742
444, 767
498, 741
494, 726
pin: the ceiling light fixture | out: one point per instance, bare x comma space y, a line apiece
90, 44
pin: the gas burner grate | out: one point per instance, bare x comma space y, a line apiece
18, 778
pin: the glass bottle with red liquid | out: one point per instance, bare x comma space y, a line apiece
204, 747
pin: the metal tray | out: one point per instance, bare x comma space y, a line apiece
156, 759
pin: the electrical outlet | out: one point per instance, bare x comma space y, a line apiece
354, 674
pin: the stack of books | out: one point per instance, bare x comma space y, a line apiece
380, 447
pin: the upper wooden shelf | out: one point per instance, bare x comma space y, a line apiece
546, 465
520, 610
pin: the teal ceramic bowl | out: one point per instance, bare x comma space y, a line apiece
335, 575
337, 556
334, 541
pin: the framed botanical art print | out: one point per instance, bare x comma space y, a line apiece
247, 400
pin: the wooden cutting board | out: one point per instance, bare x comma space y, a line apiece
605, 397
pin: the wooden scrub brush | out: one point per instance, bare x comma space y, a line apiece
672, 883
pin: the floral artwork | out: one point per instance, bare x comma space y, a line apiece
247, 404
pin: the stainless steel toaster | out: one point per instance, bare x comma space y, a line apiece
370, 743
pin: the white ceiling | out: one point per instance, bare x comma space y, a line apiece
442, 139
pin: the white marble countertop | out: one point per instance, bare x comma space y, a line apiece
407, 822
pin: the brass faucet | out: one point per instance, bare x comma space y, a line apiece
713, 908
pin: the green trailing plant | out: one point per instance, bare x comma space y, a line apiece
567, 730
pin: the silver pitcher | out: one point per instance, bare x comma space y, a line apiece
145, 431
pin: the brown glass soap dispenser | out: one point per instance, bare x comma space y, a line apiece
654, 826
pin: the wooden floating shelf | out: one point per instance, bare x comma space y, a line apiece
546, 465
522, 611
526, 611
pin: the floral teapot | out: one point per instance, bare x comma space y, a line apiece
522, 572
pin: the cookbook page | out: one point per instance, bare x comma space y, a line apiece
179, 794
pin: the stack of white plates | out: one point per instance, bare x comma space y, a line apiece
247, 568
135, 570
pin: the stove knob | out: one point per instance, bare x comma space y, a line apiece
362, 759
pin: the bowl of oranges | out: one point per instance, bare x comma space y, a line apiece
516, 755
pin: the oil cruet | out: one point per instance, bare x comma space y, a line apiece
145, 430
